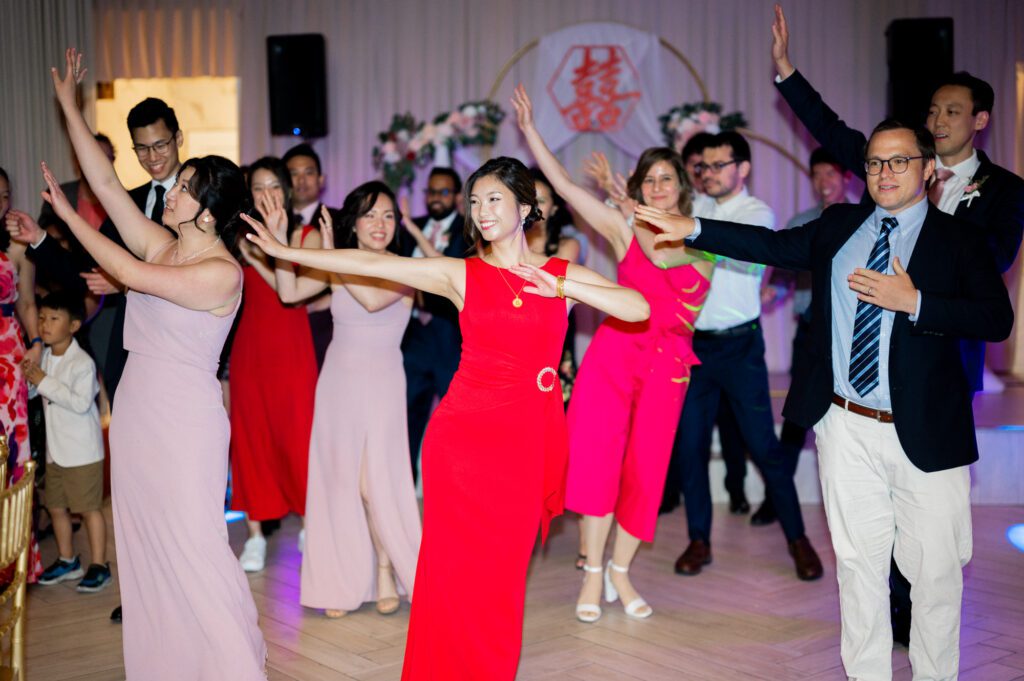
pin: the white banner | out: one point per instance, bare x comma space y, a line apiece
599, 77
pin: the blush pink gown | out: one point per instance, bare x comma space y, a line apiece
359, 421
188, 611
629, 391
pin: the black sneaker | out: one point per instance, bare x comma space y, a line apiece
61, 571
96, 579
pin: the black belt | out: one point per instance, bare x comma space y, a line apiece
738, 330
6, 309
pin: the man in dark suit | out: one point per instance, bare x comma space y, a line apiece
432, 344
895, 285
303, 165
156, 141
994, 206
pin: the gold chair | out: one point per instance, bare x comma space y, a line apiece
4, 453
15, 535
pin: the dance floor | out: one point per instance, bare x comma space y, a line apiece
746, 617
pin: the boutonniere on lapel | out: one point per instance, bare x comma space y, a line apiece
973, 190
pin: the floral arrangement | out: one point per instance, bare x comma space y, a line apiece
400, 151
408, 143
684, 121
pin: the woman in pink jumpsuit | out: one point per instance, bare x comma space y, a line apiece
631, 384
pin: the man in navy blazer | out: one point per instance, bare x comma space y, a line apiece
895, 286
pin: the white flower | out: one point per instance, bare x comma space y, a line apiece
469, 111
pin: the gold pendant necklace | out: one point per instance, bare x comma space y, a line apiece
517, 302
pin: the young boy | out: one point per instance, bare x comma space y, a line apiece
67, 381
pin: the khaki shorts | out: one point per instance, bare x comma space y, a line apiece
78, 489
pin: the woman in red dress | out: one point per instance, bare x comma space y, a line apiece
272, 378
495, 453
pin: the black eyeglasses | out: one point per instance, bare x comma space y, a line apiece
159, 147
715, 167
445, 193
897, 164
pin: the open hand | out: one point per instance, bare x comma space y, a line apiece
23, 228
894, 292
54, 195
780, 44
271, 208
326, 229
267, 242
539, 282
524, 108
674, 227
100, 283
67, 86
599, 169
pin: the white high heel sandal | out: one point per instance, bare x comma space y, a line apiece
589, 612
637, 608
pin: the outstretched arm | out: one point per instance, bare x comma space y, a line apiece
142, 236
442, 276
605, 220
586, 286
205, 285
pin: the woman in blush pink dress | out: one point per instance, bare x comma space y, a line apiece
188, 610
362, 517
631, 384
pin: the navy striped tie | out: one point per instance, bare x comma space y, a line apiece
867, 323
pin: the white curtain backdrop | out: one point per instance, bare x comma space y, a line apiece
33, 36
386, 56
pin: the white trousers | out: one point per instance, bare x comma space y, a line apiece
879, 505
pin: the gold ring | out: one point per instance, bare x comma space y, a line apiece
540, 379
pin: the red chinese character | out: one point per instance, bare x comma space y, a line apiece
596, 78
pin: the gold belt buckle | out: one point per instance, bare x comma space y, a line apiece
540, 379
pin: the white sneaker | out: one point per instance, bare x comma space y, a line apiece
302, 540
254, 554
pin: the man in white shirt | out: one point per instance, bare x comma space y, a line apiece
729, 343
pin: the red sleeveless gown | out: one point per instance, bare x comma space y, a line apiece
494, 465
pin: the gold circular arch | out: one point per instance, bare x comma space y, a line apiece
677, 53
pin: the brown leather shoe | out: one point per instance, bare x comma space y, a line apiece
694, 558
808, 565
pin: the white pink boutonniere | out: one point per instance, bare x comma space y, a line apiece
972, 190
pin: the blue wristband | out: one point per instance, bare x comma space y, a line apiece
35, 340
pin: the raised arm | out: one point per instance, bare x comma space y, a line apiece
442, 276
142, 236
825, 126
415, 232
606, 221
206, 285
588, 287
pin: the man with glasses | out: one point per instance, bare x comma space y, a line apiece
896, 284
989, 198
730, 345
432, 345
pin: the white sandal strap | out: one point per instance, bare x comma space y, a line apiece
618, 568
595, 570
637, 605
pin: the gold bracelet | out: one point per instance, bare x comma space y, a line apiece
560, 287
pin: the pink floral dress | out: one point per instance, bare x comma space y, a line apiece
13, 387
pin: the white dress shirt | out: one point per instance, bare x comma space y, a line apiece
735, 295
963, 173
167, 184
69, 390
437, 233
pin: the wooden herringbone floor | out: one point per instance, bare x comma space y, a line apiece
746, 617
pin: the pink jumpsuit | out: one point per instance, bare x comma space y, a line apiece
628, 395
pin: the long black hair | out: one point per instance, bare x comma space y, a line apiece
276, 166
357, 204
517, 179
219, 187
5, 238
559, 218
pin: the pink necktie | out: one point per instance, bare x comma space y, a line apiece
941, 176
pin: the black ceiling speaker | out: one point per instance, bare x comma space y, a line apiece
296, 74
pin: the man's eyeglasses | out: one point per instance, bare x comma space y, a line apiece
715, 167
443, 193
159, 147
897, 164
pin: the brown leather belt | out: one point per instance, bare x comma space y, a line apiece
880, 416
